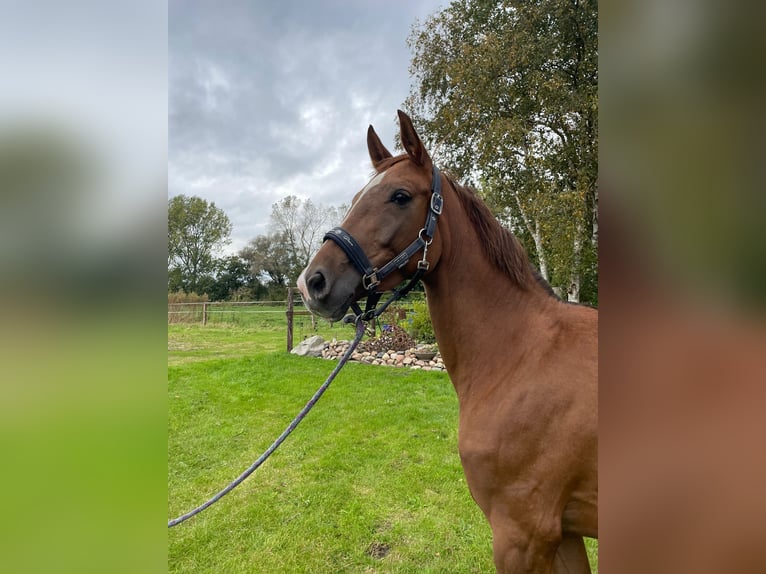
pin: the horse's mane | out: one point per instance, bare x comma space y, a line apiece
500, 246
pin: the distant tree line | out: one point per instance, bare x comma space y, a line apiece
264, 269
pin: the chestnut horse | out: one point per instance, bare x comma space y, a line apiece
523, 363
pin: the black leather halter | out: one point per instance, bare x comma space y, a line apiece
372, 276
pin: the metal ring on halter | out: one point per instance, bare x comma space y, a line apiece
420, 236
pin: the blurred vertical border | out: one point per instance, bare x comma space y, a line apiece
682, 286
83, 163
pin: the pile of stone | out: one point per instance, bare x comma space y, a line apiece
393, 338
420, 357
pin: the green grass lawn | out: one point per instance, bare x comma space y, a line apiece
370, 482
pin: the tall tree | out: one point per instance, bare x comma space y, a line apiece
506, 92
233, 277
302, 225
296, 231
197, 230
270, 260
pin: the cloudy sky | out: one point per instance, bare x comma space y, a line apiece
273, 98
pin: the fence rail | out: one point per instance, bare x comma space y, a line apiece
236, 312
291, 315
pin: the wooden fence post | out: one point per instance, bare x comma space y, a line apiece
204, 314
289, 319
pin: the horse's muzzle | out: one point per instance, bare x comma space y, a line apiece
327, 296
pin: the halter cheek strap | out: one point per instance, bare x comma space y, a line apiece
372, 276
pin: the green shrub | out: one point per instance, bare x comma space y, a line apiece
177, 297
419, 323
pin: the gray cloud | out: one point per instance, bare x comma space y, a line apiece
268, 99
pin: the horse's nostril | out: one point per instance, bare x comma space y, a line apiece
316, 283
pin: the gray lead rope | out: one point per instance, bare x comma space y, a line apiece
371, 277
291, 427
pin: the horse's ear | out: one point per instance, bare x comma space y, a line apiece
411, 141
378, 151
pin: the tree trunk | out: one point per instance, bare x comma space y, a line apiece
594, 234
541, 259
573, 291
536, 234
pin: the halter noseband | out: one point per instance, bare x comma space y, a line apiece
372, 276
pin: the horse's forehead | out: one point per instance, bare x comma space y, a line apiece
373, 182
359, 196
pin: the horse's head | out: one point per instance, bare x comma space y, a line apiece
382, 238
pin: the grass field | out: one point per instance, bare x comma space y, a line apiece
370, 482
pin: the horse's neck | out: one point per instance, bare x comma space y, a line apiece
477, 310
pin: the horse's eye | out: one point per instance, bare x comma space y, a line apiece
400, 198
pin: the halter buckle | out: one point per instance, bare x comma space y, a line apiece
371, 281
437, 203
